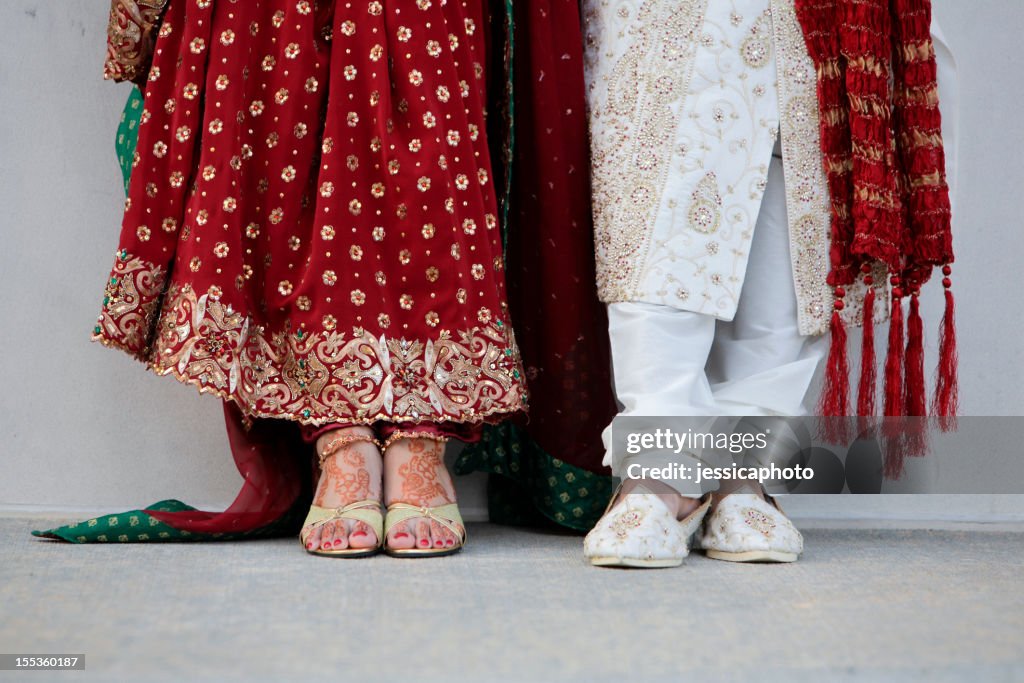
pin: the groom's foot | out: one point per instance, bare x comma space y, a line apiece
727, 487
680, 506
744, 525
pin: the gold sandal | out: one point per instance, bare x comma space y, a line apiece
366, 511
446, 515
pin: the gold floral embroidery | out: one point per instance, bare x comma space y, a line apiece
626, 521
632, 123
310, 376
757, 48
758, 521
634, 116
131, 34
130, 302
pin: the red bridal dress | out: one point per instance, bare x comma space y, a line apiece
311, 227
349, 135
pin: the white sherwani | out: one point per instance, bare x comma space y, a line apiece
687, 98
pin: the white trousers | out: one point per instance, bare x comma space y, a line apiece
669, 362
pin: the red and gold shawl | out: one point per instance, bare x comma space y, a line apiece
882, 148
131, 36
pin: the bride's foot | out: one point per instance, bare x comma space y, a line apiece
415, 475
350, 472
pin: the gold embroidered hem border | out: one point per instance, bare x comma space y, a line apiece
318, 377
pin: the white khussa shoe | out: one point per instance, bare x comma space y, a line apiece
641, 532
746, 528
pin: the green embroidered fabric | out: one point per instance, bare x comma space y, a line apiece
138, 526
124, 527
530, 487
128, 134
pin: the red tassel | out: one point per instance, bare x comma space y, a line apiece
945, 404
895, 447
834, 405
868, 379
914, 392
894, 404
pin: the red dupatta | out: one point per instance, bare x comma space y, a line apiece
882, 145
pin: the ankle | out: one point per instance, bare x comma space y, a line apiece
336, 440
408, 441
725, 491
678, 504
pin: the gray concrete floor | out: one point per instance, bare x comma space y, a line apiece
518, 605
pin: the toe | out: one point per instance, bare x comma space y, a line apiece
423, 539
451, 538
362, 536
313, 537
400, 537
340, 535
438, 534
327, 536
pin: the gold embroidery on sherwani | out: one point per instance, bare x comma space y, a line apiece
633, 124
706, 209
807, 199
720, 157
636, 114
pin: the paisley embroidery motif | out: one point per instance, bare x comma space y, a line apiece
758, 521
131, 34
705, 213
757, 47
630, 519
131, 300
641, 87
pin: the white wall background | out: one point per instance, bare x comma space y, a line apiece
84, 429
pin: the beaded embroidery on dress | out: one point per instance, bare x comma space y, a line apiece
311, 225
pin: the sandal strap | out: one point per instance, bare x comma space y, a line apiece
367, 511
343, 441
446, 515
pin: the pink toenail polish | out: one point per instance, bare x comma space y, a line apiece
309, 546
424, 542
401, 534
337, 543
358, 533
450, 542
438, 544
